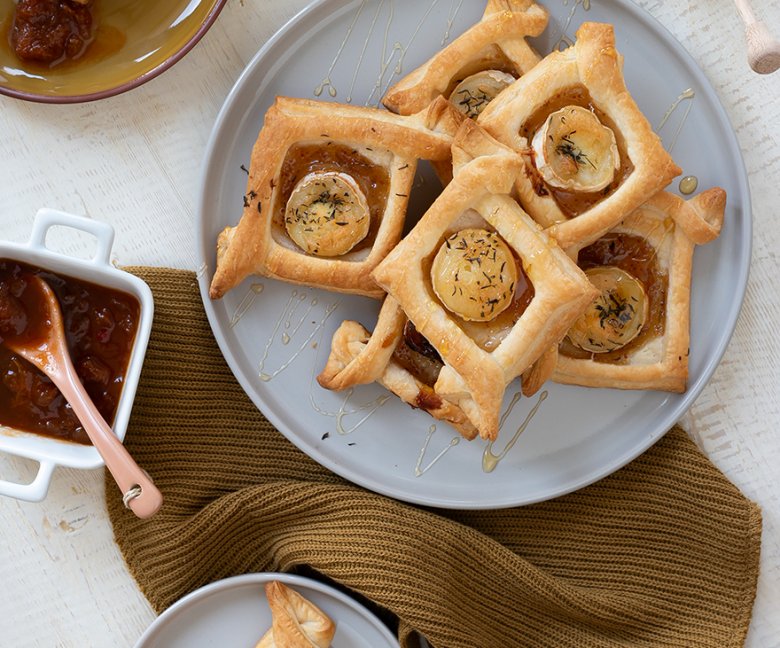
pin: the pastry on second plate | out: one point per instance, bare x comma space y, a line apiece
591, 157
297, 622
477, 65
481, 283
635, 335
327, 193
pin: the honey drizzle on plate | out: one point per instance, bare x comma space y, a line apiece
564, 40
419, 470
450, 20
490, 460
393, 60
285, 318
689, 95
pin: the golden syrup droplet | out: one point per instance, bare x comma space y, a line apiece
688, 185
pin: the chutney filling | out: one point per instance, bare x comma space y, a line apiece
51, 31
634, 255
100, 326
304, 159
418, 356
573, 203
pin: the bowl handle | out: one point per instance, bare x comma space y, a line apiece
36, 490
46, 218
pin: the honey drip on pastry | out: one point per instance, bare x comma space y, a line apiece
419, 470
688, 95
290, 331
490, 459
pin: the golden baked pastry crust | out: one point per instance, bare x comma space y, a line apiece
297, 622
498, 38
472, 378
673, 226
593, 63
359, 357
260, 246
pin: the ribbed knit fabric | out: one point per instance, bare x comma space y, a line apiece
662, 553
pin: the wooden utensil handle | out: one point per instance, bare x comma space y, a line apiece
762, 48
745, 12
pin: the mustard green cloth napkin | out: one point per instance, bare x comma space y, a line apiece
662, 553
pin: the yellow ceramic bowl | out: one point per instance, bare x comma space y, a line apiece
135, 41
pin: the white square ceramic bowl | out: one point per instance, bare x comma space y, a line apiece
50, 452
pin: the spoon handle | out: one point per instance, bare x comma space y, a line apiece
763, 48
128, 475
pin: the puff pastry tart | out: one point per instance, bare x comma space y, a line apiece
635, 335
481, 284
591, 157
297, 622
327, 193
396, 356
477, 65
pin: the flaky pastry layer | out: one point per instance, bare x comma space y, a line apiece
673, 227
394, 142
473, 378
592, 62
297, 622
498, 39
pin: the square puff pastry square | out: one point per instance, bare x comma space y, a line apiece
672, 227
358, 357
497, 42
300, 137
589, 75
478, 200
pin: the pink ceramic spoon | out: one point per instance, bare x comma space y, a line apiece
43, 345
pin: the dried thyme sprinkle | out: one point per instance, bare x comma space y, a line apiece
617, 313
571, 150
473, 103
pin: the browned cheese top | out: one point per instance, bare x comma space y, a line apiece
636, 256
303, 159
574, 203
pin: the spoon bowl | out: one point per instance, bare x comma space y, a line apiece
40, 340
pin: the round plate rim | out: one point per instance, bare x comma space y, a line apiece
259, 578
661, 426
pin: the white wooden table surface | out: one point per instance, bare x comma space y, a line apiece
134, 161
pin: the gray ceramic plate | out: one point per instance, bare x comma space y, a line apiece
234, 612
577, 435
